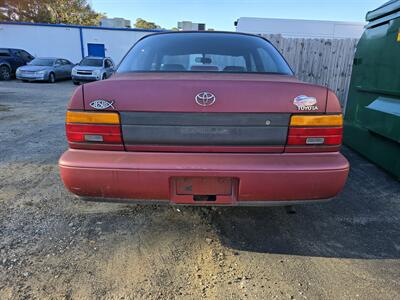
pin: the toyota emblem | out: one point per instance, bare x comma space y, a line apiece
205, 99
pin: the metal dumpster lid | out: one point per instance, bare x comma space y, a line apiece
386, 9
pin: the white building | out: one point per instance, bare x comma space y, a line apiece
301, 28
188, 25
69, 41
115, 23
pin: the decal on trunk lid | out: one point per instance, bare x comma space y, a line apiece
305, 103
102, 104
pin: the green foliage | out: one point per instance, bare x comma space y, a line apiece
140, 23
49, 11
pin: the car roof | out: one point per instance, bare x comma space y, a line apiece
11, 49
231, 33
205, 32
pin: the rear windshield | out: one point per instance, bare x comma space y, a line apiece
91, 62
204, 52
42, 62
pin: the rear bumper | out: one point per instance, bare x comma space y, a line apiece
257, 179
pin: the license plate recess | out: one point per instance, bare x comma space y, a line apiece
203, 190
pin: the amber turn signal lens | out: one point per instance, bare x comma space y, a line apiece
92, 117
317, 120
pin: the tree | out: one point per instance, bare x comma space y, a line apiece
49, 11
140, 23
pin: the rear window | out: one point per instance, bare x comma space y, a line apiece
91, 62
204, 52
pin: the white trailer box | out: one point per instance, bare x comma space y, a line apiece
301, 28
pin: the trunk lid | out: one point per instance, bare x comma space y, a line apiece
175, 92
158, 112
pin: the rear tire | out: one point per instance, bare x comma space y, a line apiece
104, 76
52, 78
5, 73
76, 82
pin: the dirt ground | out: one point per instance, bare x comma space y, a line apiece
53, 246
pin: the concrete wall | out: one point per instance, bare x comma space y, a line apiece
65, 41
42, 40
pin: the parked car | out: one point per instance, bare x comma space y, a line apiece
204, 118
92, 68
10, 60
45, 69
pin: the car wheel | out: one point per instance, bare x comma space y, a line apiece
24, 80
76, 82
52, 78
104, 76
5, 73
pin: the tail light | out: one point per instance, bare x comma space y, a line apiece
315, 133
93, 130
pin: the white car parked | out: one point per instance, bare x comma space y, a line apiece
92, 68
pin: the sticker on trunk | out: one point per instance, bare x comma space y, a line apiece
102, 104
303, 102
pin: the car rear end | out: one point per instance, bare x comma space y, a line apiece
156, 140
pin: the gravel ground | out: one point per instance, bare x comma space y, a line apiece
54, 246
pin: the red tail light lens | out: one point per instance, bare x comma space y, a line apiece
80, 133
314, 133
315, 136
94, 130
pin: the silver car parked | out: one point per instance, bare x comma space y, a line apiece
45, 69
92, 68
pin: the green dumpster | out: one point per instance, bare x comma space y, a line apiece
372, 118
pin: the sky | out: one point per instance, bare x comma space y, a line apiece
221, 14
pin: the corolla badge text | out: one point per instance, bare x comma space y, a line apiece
205, 99
305, 103
102, 104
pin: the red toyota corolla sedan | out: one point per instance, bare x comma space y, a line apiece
204, 118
